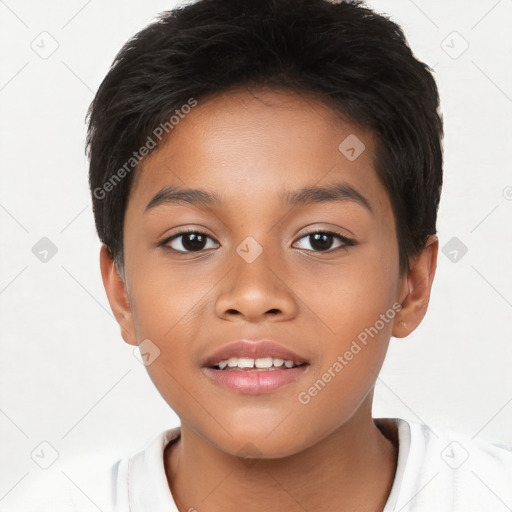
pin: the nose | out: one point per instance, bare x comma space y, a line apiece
257, 291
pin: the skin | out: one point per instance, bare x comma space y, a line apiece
327, 454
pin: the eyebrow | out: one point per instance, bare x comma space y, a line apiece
175, 195
334, 192
309, 195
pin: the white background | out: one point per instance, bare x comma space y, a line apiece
66, 376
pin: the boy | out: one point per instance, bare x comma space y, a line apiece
265, 177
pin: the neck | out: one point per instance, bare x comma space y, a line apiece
352, 468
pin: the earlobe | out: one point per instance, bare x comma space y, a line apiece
117, 296
416, 287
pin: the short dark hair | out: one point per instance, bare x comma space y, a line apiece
356, 61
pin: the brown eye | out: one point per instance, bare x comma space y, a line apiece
321, 241
187, 241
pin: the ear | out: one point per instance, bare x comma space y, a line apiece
117, 296
415, 289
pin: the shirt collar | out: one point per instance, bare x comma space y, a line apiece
148, 488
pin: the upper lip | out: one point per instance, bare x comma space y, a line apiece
252, 349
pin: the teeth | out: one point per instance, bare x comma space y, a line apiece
260, 363
263, 362
243, 362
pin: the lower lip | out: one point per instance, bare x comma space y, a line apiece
255, 382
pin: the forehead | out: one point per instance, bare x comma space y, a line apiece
259, 145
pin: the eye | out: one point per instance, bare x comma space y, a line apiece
321, 241
187, 241
196, 241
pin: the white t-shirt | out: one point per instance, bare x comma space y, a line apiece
437, 471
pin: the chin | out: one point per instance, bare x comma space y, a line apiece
262, 443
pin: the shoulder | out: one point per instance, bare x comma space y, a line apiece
462, 454
451, 471
113, 487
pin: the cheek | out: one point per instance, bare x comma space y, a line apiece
355, 306
165, 300
348, 364
348, 298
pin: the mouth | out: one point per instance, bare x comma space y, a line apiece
254, 368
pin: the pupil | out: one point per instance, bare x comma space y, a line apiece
322, 241
193, 242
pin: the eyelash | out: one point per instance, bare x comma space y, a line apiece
347, 242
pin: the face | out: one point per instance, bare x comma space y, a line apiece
315, 273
